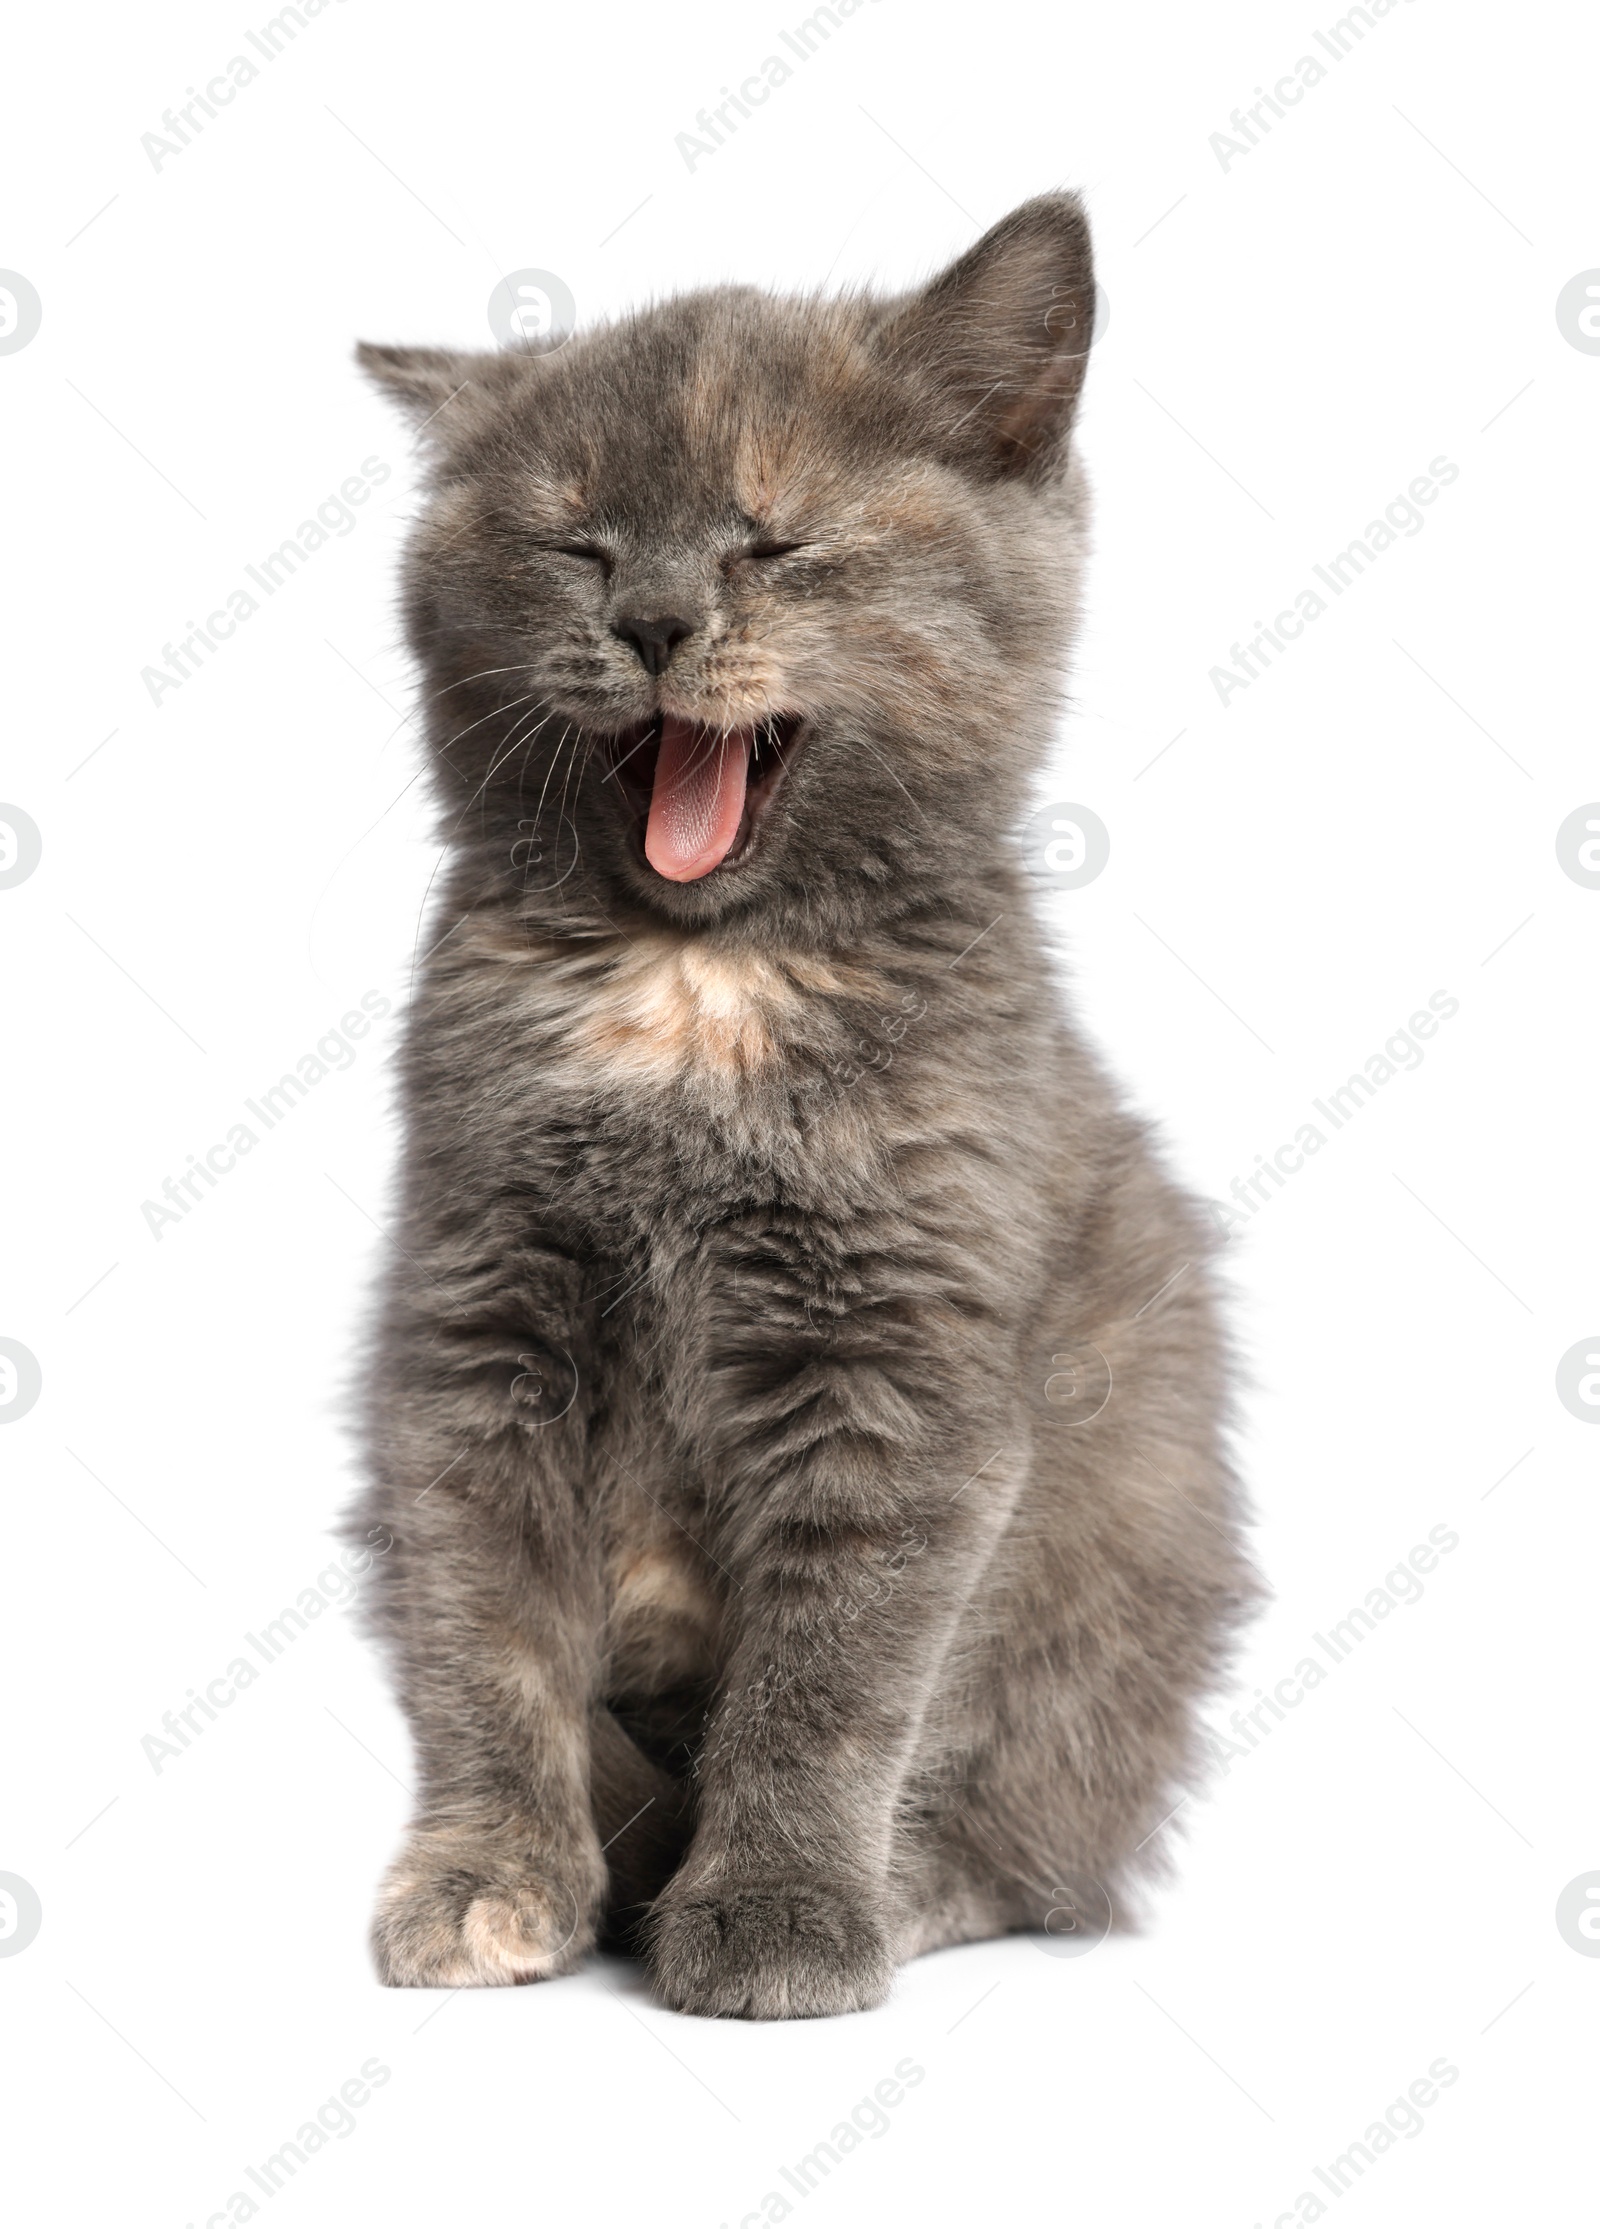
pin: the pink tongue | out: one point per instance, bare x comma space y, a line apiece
698, 799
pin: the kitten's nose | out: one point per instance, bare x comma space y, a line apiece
654, 639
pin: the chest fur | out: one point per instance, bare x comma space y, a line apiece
664, 1011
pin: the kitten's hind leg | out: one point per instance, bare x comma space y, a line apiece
1064, 1738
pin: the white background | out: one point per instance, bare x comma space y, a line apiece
1292, 339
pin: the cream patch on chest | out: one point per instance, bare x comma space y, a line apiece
656, 1007
666, 1006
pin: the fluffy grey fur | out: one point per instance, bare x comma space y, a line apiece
797, 1401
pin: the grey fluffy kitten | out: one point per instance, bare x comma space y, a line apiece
797, 1402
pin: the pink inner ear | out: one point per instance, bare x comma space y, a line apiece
1026, 421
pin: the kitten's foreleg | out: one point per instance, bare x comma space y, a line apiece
491, 1606
852, 1560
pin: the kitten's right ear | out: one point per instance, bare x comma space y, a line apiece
423, 380
999, 343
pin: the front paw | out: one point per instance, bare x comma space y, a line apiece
466, 1907
767, 1947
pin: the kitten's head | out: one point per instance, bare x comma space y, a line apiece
751, 609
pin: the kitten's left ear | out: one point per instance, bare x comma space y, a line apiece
1001, 340
448, 390
422, 380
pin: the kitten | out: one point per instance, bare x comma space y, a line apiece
797, 1403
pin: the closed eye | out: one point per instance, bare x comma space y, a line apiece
585, 550
758, 551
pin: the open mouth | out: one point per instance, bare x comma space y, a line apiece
699, 794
